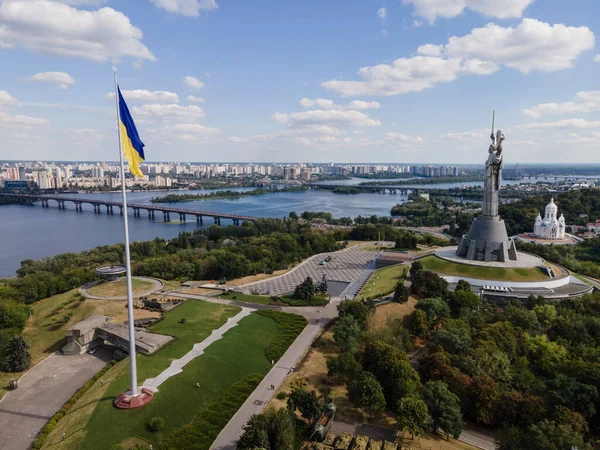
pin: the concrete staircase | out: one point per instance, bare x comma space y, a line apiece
354, 288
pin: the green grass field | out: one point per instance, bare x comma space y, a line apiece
383, 281
240, 353
318, 300
442, 266
119, 288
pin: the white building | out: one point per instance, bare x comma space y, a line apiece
550, 227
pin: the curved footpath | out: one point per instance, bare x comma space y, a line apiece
156, 286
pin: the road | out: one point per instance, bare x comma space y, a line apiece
42, 391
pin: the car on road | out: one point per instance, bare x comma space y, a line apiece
91, 351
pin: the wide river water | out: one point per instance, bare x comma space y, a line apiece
32, 232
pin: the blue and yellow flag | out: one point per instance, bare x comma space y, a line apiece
133, 147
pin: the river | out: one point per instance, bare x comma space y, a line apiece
30, 232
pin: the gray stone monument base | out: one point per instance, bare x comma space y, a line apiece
487, 241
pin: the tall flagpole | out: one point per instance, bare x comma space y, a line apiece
132, 362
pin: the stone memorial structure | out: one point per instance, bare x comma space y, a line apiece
487, 239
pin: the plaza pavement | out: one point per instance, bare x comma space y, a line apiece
346, 265
42, 391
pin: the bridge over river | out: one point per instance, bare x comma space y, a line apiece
137, 208
376, 188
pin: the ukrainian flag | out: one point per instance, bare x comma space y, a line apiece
132, 146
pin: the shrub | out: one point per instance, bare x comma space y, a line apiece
182, 320
117, 447
156, 424
281, 395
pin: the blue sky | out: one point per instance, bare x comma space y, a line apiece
336, 80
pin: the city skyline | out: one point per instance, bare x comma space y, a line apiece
403, 82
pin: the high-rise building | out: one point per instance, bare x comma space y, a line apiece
43, 179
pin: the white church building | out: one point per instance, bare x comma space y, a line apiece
550, 227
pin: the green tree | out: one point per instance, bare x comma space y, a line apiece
482, 398
272, 430
435, 308
367, 393
343, 367
463, 285
413, 415
546, 314
401, 292
444, 408
16, 356
347, 333
306, 402
356, 309
418, 324
462, 299
547, 435
305, 290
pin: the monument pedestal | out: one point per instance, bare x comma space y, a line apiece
487, 241
126, 401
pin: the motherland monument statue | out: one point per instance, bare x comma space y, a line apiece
487, 239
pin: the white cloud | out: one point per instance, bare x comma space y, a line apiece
597, 58
47, 27
320, 103
313, 130
83, 135
152, 112
189, 131
401, 138
7, 100
84, 2
147, 96
194, 99
61, 80
7, 119
382, 13
192, 82
417, 24
251, 138
464, 135
585, 102
360, 104
563, 124
402, 76
431, 50
532, 45
190, 8
502, 9
326, 117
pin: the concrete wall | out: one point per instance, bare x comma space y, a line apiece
550, 284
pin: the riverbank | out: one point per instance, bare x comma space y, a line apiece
178, 198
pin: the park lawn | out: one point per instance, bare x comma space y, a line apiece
240, 352
383, 281
442, 266
45, 332
119, 288
249, 298
317, 300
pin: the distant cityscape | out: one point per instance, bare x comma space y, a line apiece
165, 175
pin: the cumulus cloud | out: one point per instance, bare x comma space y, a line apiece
57, 29
320, 103
597, 58
190, 8
148, 96
502, 9
326, 117
7, 100
360, 104
189, 131
194, 99
192, 82
382, 13
464, 135
532, 45
18, 120
158, 112
83, 135
399, 137
62, 80
561, 124
585, 102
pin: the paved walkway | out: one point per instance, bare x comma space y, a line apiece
156, 286
42, 391
197, 350
254, 404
